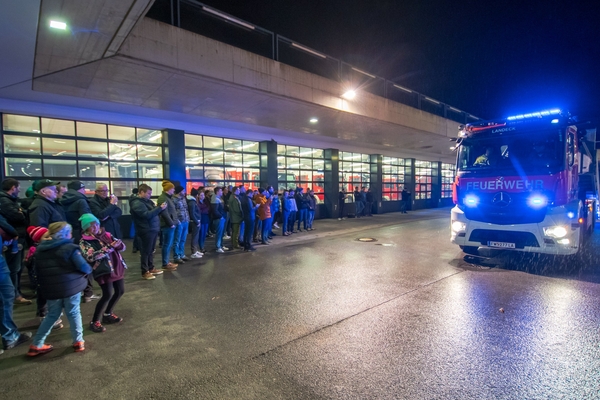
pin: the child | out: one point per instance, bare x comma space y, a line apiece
61, 278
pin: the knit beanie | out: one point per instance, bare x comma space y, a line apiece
86, 220
178, 189
194, 192
59, 230
166, 185
36, 233
29, 192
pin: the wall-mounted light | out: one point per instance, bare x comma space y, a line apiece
314, 120
349, 95
58, 25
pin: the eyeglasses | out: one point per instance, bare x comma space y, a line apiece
102, 191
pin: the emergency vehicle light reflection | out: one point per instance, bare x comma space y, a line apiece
471, 200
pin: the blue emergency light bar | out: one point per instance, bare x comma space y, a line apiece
537, 114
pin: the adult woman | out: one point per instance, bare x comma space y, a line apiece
101, 250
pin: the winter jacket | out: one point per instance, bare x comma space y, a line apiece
168, 217
107, 263
144, 214
181, 207
216, 208
286, 203
8, 229
43, 212
370, 197
275, 204
108, 214
75, 204
236, 215
357, 196
264, 208
204, 211
312, 202
61, 269
10, 209
301, 201
248, 207
194, 210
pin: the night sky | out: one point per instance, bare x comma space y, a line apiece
489, 58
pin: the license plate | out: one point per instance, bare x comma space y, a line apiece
502, 245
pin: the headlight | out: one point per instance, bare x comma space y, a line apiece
471, 200
556, 231
537, 201
458, 226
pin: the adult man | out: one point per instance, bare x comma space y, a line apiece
60, 192
9, 208
341, 204
147, 226
181, 231
136, 238
312, 206
363, 198
405, 200
302, 204
369, 203
249, 210
484, 159
217, 210
236, 216
168, 223
104, 207
75, 204
358, 204
44, 210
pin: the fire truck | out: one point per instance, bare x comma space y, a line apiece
526, 183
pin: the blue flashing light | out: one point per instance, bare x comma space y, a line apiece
571, 214
554, 121
537, 114
537, 201
471, 200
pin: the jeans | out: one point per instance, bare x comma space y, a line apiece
167, 234
292, 220
359, 208
73, 314
14, 261
310, 218
248, 232
266, 228
181, 232
286, 221
147, 246
302, 217
241, 235
203, 233
219, 226
8, 328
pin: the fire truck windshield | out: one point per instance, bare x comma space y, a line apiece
537, 152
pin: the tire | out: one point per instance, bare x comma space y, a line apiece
473, 250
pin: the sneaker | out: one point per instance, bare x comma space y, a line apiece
43, 349
23, 337
169, 267
79, 346
155, 271
58, 325
196, 255
178, 261
220, 250
225, 248
97, 327
339, 219
22, 300
87, 299
276, 226
202, 251
148, 275
185, 258
111, 319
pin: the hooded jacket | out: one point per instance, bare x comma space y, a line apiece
144, 214
43, 212
168, 217
75, 204
194, 210
108, 214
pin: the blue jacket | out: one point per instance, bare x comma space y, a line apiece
61, 269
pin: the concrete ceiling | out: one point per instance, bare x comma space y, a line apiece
81, 71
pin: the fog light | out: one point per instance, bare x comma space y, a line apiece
555, 231
563, 241
458, 226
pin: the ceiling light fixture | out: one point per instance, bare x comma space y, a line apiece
314, 120
349, 95
58, 25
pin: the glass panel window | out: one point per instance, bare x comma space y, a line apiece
121, 133
447, 180
194, 157
93, 169
122, 152
123, 170
231, 144
213, 157
292, 151
58, 147
251, 160
234, 159
150, 153
20, 123
150, 170
58, 127
27, 167
293, 163
60, 168
250, 147
192, 140
87, 129
122, 189
213, 143
86, 148
424, 173
393, 178
14, 144
156, 188
149, 136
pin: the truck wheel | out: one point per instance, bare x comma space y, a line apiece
470, 250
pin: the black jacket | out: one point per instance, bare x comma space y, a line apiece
248, 207
145, 215
194, 210
43, 212
10, 209
61, 269
301, 201
75, 204
168, 217
108, 214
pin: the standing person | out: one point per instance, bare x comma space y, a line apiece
204, 205
264, 214
105, 208
225, 199
302, 205
181, 232
144, 214
369, 203
285, 213
195, 220
275, 207
62, 277
218, 212
363, 199
341, 204
293, 211
168, 224
44, 210
357, 202
60, 192
249, 210
236, 216
75, 204
405, 200
101, 250
312, 206
10, 209
132, 234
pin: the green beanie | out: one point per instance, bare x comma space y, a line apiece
29, 192
86, 221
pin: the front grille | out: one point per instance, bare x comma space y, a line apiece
516, 211
520, 239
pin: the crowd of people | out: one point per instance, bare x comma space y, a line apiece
67, 240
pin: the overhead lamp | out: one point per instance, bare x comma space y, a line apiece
349, 95
314, 120
58, 25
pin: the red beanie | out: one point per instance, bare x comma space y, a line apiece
36, 233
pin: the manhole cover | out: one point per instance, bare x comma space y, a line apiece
366, 239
